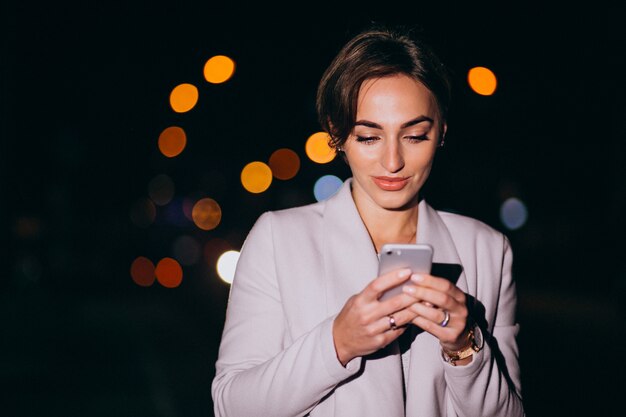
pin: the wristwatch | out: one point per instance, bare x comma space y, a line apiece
474, 344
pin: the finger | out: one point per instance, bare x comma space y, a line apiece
385, 334
384, 282
454, 338
438, 316
390, 336
394, 304
395, 322
431, 298
439, 284
431, 322
434, 309
441, 333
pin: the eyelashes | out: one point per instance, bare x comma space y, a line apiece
368, 140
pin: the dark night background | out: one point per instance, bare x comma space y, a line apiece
84, 97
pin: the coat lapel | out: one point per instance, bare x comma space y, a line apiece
350, 259
350, 263
432, 230
426, 376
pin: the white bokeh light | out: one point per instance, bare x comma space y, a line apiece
226, 265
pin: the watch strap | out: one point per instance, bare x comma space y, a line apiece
472, 346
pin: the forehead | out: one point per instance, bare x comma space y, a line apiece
394, 97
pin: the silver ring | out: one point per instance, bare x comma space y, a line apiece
446, 319
392, 323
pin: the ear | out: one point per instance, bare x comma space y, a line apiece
331, 128
442, 135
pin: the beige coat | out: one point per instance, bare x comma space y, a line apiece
296, 270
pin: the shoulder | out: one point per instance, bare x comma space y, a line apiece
280, 228
299, 216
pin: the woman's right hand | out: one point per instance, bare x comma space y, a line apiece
363, 325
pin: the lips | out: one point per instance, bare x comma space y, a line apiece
391, 183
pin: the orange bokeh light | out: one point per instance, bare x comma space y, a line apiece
219, 69
206, 214
183, 98
169, 273
482, 80
317, 148
256, 177
142, 271
284, 164
172, 141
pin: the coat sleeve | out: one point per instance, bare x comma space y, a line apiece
490, 384
259, 371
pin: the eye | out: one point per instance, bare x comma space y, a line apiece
419, 138
367, 139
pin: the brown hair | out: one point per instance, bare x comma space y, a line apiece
373, 53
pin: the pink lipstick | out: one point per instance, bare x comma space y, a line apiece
391, 183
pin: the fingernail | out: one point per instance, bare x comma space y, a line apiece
404, 273
417, 278
408, 289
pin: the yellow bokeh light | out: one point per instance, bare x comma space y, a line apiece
317, 148
284, 164
172, 141
206, 214
183, 98
256, 177
482, 80
219, 69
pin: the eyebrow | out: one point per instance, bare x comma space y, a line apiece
411, 122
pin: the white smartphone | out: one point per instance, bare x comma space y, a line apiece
416, 256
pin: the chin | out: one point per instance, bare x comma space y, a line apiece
398, 202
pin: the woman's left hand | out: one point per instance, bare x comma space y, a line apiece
434, 297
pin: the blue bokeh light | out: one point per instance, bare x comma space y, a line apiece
513, 213
326, 186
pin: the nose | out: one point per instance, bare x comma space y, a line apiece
392, 160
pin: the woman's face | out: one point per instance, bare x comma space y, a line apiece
391, 148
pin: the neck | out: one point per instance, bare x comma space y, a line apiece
389, 226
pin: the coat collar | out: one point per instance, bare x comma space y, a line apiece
350, 259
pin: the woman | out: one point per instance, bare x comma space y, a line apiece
305, 331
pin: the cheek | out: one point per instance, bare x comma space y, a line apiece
423, 161
360, 158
